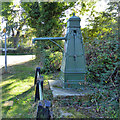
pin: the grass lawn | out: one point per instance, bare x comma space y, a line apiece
18, 90
18, 95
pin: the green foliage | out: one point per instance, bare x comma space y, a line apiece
52, 61
44, 17
101, 38
16, 19
85, 6
104, 23
106, 100
101, 44
101, 57
6, 9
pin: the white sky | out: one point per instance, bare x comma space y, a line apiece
101, 5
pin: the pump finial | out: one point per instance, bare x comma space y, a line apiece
73, 14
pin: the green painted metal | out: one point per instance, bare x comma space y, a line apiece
51, 39
73, 64
48, 38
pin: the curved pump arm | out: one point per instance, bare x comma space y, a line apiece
51, 39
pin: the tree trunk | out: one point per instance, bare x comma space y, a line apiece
16, 39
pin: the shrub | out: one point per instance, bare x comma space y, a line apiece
102, 58
51, 61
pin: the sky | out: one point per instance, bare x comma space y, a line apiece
101, 5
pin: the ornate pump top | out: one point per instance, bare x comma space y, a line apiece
73, 21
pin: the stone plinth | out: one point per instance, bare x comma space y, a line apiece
57, 90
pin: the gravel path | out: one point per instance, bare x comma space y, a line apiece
15, 59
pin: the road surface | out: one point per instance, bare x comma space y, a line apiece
15, 59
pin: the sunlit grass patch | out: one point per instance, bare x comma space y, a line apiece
3, 83
18, 86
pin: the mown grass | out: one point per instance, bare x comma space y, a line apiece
18, 86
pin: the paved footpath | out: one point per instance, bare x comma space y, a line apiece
15, 59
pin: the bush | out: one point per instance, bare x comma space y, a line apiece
102, 58
49, 56
51, 61
103, 69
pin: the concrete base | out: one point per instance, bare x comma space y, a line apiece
57, 90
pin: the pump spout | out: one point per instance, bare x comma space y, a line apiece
48, 38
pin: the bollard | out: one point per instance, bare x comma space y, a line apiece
43, 111
38, 85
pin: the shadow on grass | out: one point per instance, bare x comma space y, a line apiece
18, 86
20, 80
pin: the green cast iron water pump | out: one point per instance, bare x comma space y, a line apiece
73, 68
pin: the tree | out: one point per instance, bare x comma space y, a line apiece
12, 12
101, 41
44, 17
103, 23
101, 38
